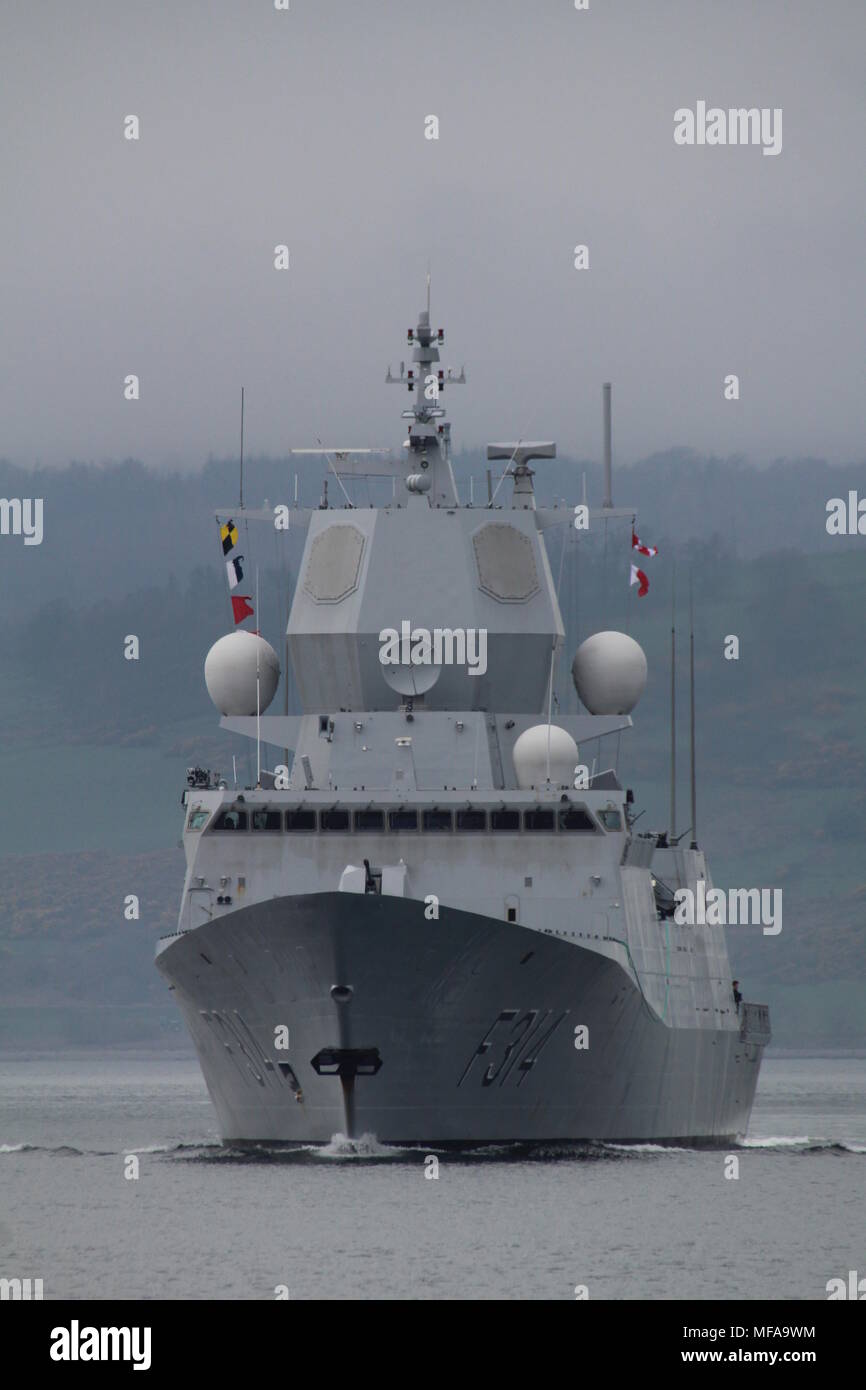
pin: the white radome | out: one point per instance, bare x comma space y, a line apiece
609, 672
230, 672
531, 757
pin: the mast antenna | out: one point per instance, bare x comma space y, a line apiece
694, 841
258, 701
673, 710
608, 452
242, 448
550, 704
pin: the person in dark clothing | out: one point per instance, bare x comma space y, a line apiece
369, 881
738, 998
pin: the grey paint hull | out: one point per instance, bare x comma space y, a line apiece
473, 1018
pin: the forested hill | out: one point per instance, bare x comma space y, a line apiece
109, 531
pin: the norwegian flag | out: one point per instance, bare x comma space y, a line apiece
638, 577
648, 550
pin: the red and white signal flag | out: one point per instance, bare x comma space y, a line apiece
638, 577
648, 550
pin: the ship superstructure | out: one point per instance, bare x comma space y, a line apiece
437, 922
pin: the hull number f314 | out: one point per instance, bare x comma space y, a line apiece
520, 1037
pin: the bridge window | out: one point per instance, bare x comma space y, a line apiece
610, 818
265, 819
369, 820
437, 820
334, 820
232, 819
504, 820
403, 820
300, 820
197, 818
472, 820
538, 820
576, 818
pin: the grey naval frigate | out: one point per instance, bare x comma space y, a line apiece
429, 919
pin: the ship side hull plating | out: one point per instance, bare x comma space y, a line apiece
473, 1021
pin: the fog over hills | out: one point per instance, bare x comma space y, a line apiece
109, 530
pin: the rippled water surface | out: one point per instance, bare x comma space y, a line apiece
358, 1220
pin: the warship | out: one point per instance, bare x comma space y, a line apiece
432, 919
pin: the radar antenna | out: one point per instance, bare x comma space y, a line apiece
694, 841
673, 710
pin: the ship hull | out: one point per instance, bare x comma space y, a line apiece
461, 1030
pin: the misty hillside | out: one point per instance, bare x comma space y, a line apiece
109, 531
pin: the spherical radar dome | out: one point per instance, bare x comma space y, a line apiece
230, 672
531, 757
609, 672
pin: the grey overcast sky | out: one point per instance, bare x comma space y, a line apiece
306, 128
